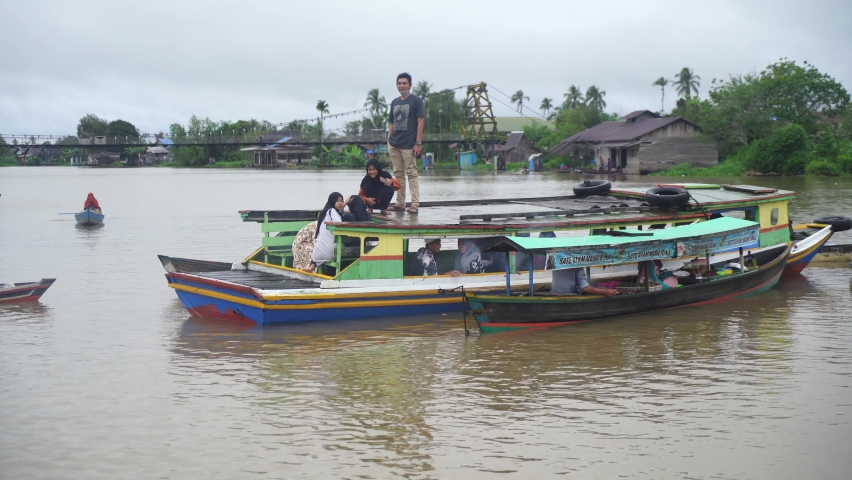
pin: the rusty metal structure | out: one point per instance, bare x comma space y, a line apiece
477, 122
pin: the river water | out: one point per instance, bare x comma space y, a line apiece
107, 377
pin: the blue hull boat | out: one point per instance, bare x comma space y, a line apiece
89, 217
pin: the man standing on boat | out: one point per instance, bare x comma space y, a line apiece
405, 133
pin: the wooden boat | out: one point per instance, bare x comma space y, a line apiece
372, 277
89, 217
829, 254
506, 311
187, 265
24, 292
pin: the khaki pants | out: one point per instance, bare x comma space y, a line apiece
405, 165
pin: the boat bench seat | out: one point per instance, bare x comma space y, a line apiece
278, 240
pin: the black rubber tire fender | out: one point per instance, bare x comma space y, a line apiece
666, 196
838, 224
592, 187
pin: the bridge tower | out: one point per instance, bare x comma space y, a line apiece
477, 122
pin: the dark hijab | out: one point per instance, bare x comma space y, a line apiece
371, 185
329, 205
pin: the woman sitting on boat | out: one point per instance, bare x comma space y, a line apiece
378, 187
469, 258
92, 203
426, 257
572, 281
324, 240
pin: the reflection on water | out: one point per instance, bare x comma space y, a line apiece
126, 385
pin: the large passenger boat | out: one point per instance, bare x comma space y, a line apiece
374, 271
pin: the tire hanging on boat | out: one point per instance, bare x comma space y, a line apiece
666, 196
592, 187
838, 224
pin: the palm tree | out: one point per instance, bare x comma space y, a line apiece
546, 106
422, 89
519, 98
322, 107
574, 97
662, 82
686, 82
375, 102
594, 98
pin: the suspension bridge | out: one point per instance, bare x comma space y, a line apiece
474, 121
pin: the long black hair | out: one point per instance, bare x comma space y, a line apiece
329, 205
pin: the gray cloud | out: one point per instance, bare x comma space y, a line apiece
154, 63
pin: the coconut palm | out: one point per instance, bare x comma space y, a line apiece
594, 98
322, 107
519, 98
422, 89
686, 81
661, 82
546, 106
375, 103
574, 97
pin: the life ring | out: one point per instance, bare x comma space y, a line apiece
592, 187
838, 224
667, 196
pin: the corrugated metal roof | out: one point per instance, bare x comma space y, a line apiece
637, 113
513, 141
613, 132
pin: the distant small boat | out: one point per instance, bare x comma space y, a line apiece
89, 217
188, 265
24, 292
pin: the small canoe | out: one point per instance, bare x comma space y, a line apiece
89, 217
188, 265
24, 292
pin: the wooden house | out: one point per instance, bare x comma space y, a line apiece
641, 142
104, 158
517, 149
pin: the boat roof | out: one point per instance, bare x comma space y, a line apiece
616, 247
620, 206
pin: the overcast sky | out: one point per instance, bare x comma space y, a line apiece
154, 63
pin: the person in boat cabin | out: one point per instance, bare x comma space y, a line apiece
92, 202
377, 187
324, 245
469, 258
572, 281
426, 257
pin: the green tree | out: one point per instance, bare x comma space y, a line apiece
91, 125
519, 98
573, 97
122, 129
662, 82
422, 89
375, 102
784, 152
353, 128
546, 106
686, 82
69, 140
594, 98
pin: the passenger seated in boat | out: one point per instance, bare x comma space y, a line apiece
92, 202
324, 240
303, 246
666, 277
426, 257
572, 281
469, 258
377, 187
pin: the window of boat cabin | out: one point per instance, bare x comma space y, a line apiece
749, 213
773, 216
446, 258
